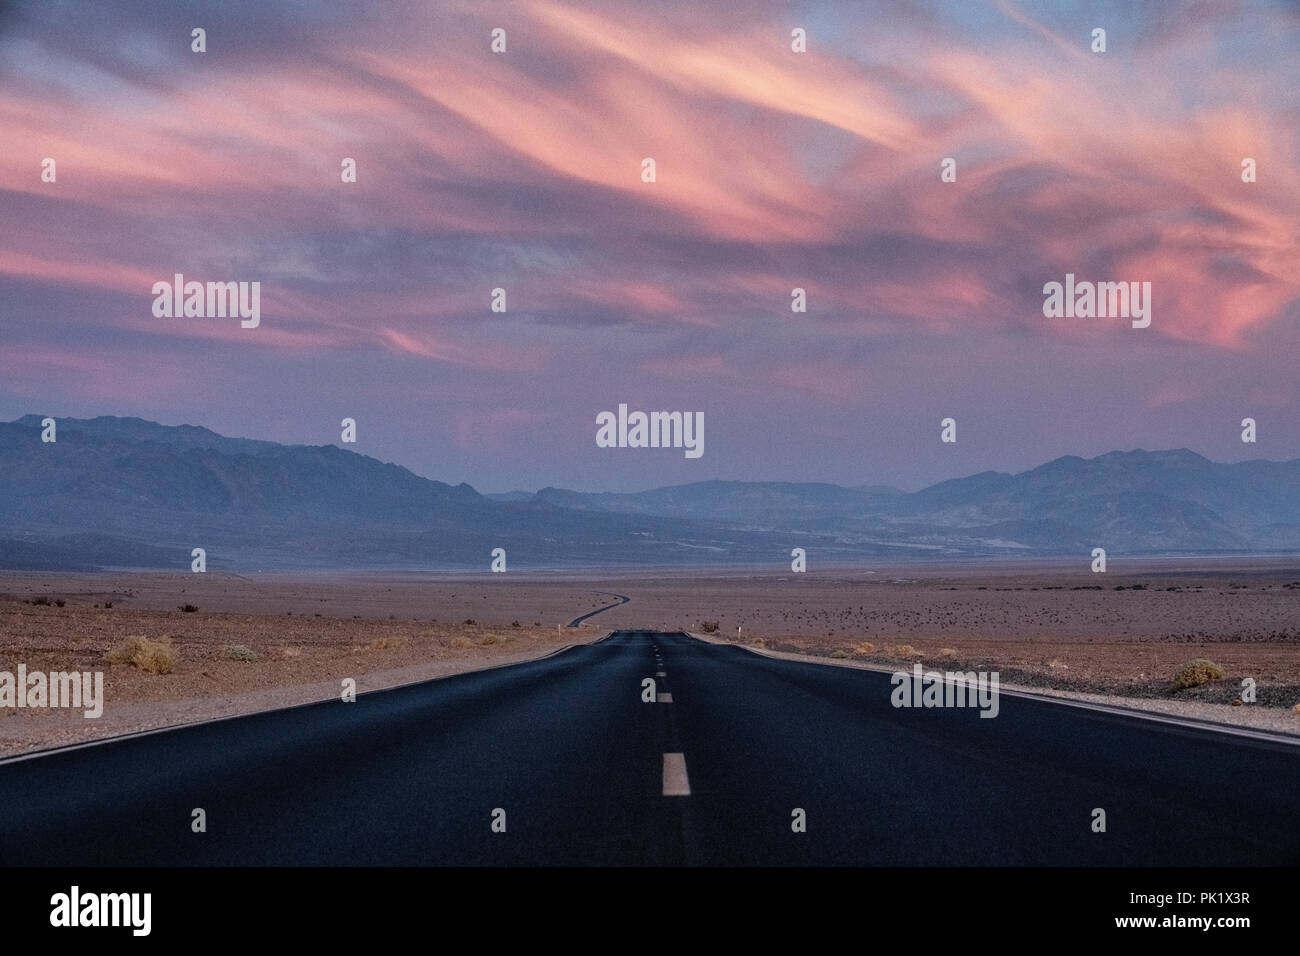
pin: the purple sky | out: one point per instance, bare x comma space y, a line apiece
775, 169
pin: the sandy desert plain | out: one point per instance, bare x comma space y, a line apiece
1050, 626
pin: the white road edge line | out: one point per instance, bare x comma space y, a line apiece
676, 783
101, 741
1186, 723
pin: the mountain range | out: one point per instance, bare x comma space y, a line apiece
124, 492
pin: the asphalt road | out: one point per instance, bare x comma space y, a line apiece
567, 748
622, 599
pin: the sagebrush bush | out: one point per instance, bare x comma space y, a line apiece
1196, 672
155, 657
388, 643
239, 652
460, 642
709, 627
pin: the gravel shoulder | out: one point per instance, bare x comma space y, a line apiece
1272, 719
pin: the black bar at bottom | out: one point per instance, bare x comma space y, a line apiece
374, 906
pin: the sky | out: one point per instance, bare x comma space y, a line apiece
774, 170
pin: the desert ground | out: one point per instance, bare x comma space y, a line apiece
1055, 626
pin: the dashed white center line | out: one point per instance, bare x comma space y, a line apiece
660, 674
663, 698
676, 783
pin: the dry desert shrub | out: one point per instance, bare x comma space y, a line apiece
902, 650
1196, 672
239, 652
709, 627
460, 642
839, 653
948, 652
387, 643
758, 642
489, 640
155, 657
865, 648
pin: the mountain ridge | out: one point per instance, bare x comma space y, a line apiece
157, 489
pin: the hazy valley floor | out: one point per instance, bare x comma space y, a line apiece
1122, 634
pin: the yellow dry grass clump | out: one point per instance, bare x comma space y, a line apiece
865, 648
902, 650
460, 642
1196, 672
948, 652
388, 643
155, 657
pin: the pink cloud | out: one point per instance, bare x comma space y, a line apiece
1062, 157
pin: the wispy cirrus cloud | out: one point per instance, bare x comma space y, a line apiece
775, 170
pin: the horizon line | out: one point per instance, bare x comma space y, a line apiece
763, 481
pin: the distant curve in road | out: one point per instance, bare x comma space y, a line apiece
622, 599
582, 766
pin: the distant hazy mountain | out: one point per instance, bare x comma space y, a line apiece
265, 505
1138, 500
767, 503
86, 552
509, 496
127, 492
1134, 501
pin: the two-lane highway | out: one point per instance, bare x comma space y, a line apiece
561, 761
